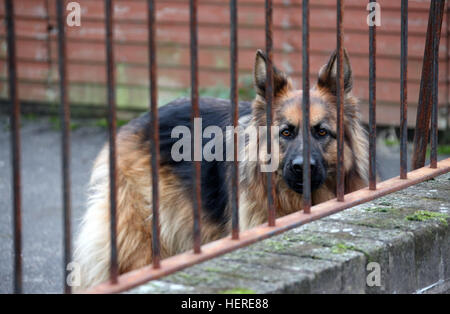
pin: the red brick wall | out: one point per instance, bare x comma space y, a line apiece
37, 52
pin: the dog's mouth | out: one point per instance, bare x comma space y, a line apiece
297, 185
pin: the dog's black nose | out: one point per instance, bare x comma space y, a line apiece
297, 165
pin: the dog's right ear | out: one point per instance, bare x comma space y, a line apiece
328, 75
280, 79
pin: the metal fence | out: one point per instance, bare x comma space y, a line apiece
427, 111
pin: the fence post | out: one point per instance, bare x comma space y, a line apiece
424, 108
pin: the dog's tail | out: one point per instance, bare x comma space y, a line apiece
92, 246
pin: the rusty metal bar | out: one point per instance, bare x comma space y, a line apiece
15, 145
372, 106
434, 94
404, 91
65, 138
447, 68
109, 6
269, 102
225, 245
340, 103
48, 42
424, 108
154, 134
197, 196
305, 108
235, 118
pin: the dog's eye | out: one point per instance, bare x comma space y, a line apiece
286, 133
322, 132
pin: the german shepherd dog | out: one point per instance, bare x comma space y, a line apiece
134, 212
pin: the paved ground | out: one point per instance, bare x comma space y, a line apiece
41, 197
42, 212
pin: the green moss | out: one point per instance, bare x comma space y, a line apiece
370, 224
378, 209
246, 90
103, 123
271, 245
329, 243
431, 199
218, 91
314, 239
185, 275
220, 63
357, 249
391, 143
212, 269
238, 291
186, 278
30, 116
424, 215
340, 248
441, 150
56, 124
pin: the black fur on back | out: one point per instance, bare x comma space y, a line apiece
214, 112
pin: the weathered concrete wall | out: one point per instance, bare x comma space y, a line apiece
406, 233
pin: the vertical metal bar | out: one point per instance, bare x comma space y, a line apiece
269, 102
112, 136
235, 118
65, 138
424, 108
197, 201
340, 103
372, 106
305, 108
404, 91
447, 69
434, 93
15, 145
48, 41
154, 133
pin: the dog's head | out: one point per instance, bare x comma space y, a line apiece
287, 115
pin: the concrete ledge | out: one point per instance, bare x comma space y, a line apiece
407, 233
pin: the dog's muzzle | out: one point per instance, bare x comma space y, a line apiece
293, 174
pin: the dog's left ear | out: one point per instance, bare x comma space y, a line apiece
280, 80
328, 74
